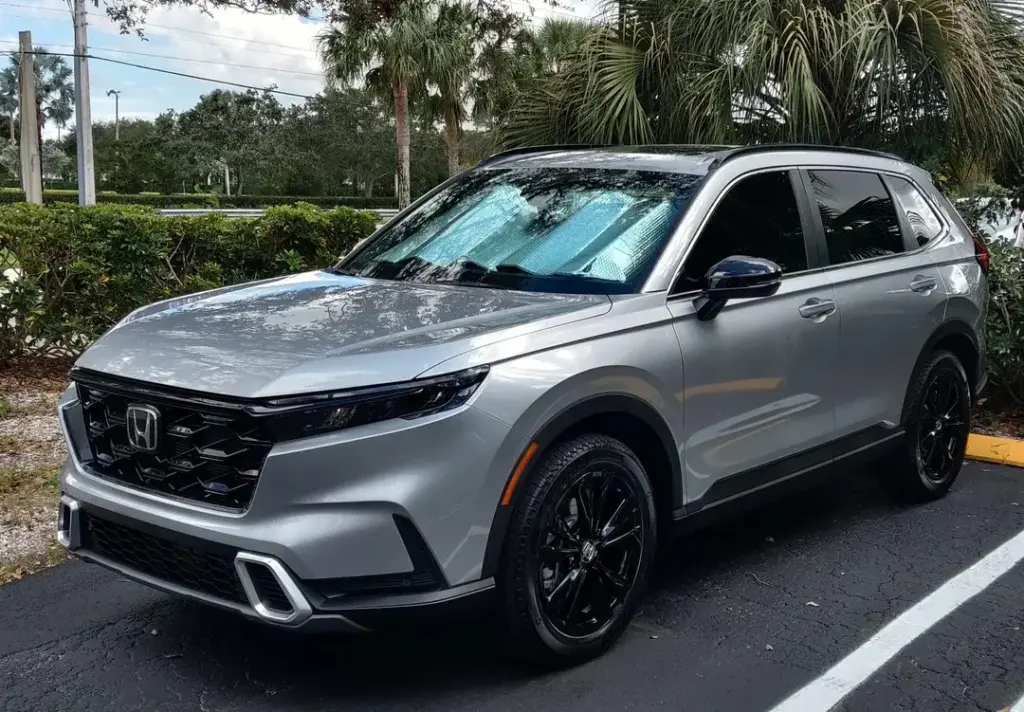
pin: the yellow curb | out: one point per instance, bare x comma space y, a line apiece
1003, 451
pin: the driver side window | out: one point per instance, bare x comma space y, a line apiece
758, 217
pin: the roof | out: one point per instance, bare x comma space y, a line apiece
676, 158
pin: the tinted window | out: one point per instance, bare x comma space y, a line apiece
758, 217
540, 229
858, 215
924, 223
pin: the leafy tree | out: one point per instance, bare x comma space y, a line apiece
226, 131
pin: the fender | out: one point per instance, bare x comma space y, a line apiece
563, 422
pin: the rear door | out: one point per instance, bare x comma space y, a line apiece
889, 294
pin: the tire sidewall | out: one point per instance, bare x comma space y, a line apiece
944, 361
554, 640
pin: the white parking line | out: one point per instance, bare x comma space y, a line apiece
1019, 707
824, 693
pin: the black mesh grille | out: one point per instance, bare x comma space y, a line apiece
204, 453
267, 588
207, 571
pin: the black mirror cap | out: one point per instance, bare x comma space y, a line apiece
739, 277
736, 277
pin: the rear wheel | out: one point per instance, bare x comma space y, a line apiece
937, 427
578, 552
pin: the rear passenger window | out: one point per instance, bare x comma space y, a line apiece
924, 223
758, 217
858, 215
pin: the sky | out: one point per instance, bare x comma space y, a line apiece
272, 49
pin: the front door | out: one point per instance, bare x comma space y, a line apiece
759, 376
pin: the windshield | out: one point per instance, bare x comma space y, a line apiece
541, 229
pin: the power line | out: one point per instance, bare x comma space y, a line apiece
187, 59
169, 27
196, 76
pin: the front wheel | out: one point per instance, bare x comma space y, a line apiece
578, 552
937, 427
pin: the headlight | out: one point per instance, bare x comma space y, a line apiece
304, 416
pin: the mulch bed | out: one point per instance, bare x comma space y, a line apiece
34, 374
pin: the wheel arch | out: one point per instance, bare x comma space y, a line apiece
959, 338
624, 417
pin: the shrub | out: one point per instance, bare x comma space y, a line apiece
1004, 327
82, 269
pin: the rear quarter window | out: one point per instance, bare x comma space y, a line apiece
925, 224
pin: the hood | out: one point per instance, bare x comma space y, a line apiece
319, 331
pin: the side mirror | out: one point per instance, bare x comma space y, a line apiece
736, 277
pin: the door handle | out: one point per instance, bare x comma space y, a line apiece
923, 285
815, 307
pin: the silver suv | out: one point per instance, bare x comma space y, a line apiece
512, 393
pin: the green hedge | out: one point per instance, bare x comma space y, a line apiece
202, 200
265, 201
82, 269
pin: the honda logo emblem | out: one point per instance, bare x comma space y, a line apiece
143, 428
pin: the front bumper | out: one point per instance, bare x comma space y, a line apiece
344, 528
245, 582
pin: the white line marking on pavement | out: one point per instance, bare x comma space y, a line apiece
1019, 707
824, 693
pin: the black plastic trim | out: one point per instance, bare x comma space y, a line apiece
756, 486
426, 575
563, 422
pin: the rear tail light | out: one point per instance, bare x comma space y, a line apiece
980, 252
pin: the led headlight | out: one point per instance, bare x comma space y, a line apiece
303, 416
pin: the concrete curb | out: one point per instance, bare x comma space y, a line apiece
1002, 451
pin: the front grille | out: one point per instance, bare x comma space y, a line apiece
206, 453
197, 569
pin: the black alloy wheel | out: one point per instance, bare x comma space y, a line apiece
578, 551
589, 551
940, 427
937, 424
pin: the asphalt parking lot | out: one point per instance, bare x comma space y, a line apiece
741, 616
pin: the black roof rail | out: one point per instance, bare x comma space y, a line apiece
527, 150
759, 147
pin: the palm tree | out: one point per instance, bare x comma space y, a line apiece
864, 72
449, 65
390, 57
9, 96
55, 89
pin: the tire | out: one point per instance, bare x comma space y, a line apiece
548, 615
929, 460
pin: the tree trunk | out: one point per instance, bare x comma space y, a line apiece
13, 139
401, 94
227, 180
451, 140
368, 188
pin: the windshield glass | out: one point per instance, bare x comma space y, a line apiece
541, 229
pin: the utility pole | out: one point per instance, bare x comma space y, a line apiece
117, 112
31, 159
83, 110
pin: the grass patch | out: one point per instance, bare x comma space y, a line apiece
23, 487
